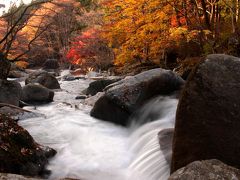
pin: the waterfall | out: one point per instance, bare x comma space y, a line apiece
92, 149
152, 158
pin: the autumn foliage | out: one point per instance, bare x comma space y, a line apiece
94, 33
89, 50
143, 30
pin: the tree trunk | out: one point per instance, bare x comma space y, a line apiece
5, 66
205, 14
234, 16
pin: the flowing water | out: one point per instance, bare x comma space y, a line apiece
90, 149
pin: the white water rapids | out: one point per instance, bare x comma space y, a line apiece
90, 149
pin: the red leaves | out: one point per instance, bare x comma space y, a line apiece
83, 47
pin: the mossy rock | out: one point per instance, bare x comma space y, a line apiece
19, 153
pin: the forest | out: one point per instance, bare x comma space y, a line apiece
103, 34
120, 89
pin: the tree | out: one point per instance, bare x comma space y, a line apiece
137, 30
90, 51
14, 21
141, 31
65, 20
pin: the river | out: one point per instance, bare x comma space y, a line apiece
91, 149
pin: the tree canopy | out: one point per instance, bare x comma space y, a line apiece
97, 32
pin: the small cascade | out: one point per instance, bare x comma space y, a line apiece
151, 158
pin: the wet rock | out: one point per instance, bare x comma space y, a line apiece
68, 78
44, 78
10, 92
208, 169
19, 153
99, 85
36, 93
81, 97
124, 97
5, 176
8, 111
165, 137
16, 113
207, 120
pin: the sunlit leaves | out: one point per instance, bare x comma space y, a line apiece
89, 50
135, 29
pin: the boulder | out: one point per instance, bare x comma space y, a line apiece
208, 169
36, 93
99, 85
15, 112
68, 78
51, 64
44, 78
81, 97
5, 176
10, 92
19, 153
124, 97
208, 117
9, 111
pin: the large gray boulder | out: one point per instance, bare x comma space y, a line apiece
124, 97
44, 78
36, 93
203, 170
19, 153
208, 114
99, 85
10, 92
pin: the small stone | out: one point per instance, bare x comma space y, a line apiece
81, 97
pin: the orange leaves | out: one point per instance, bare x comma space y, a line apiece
22, 64
135, 28
139, 30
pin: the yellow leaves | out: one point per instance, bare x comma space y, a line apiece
182, 33
22, 64
136, 28
178, 31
